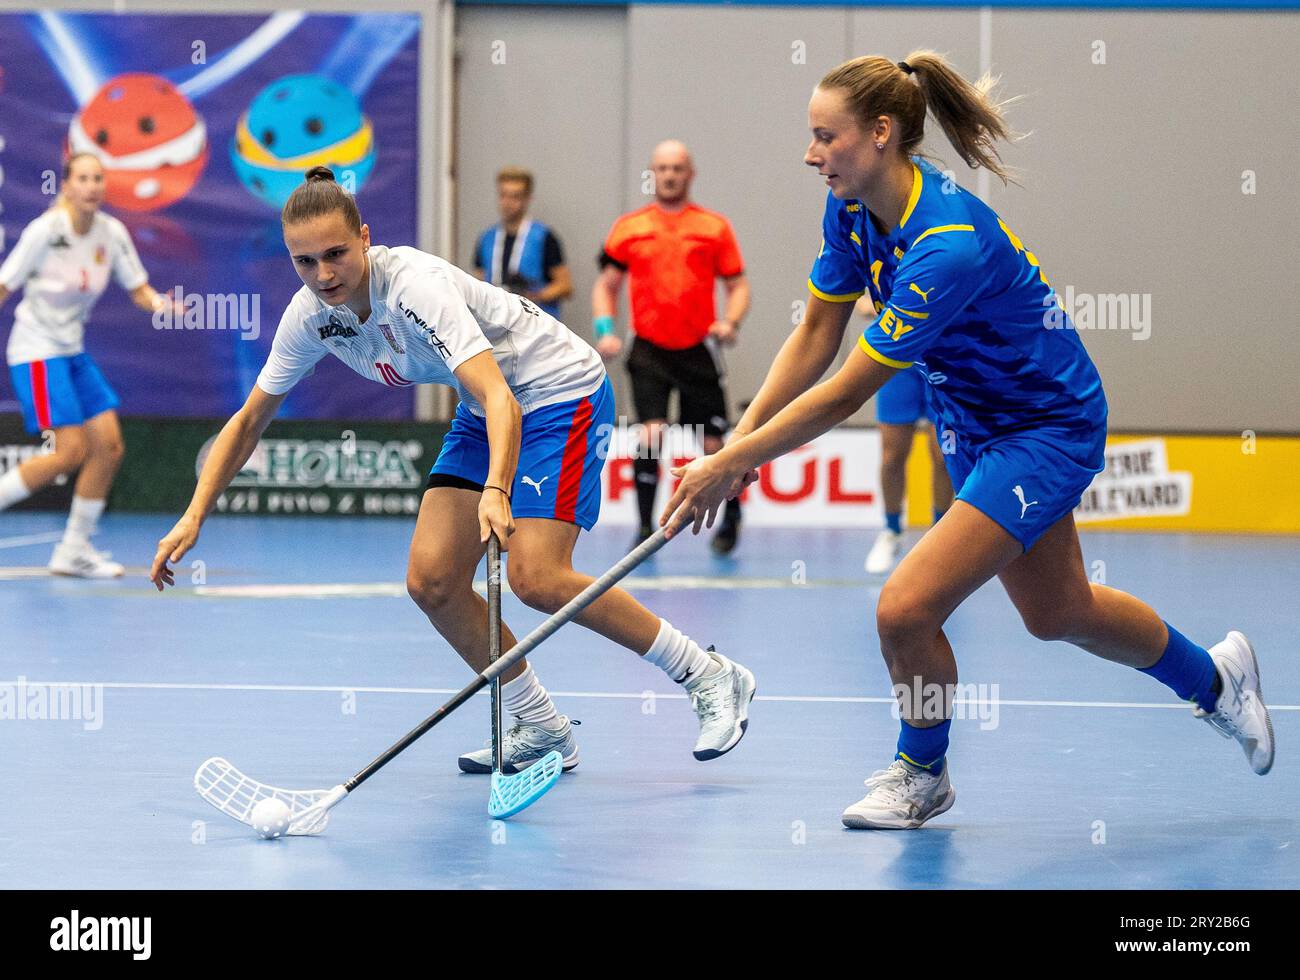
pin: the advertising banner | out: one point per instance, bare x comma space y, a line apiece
204, 125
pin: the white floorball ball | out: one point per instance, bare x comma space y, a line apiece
271, 818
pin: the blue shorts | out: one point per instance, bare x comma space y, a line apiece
60, 391
1029, 480
561, 454
902, 400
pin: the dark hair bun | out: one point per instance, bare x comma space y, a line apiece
319, 173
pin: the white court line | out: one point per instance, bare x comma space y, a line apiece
624, 695
48, 537
16, 572
361, 590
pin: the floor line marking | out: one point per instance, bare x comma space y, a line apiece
361, 590
624, 695
47, 537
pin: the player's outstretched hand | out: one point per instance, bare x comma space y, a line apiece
494, 515
705, 485
173, 547
609, 347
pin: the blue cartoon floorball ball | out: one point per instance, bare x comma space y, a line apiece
296, 123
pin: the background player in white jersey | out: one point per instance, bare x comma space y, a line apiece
62, 263
523, 457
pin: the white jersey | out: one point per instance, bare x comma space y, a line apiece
427, 317
62, 274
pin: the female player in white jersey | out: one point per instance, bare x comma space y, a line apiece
523, 457
962, 296
62, 263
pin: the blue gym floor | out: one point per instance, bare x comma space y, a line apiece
1091, 776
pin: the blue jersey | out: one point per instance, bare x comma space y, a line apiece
959, 296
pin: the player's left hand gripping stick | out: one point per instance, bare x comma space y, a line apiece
236, 795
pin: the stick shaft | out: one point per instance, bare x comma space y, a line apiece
494, 643
578, 603
516, 653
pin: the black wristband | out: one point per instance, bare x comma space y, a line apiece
487, 487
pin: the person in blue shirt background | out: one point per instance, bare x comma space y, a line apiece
520, 254
964, 299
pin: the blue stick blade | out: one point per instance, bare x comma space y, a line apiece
510, 794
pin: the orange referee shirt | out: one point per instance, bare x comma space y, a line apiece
672, 261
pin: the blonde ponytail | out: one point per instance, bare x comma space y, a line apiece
970, 116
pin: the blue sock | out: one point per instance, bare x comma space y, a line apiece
894, 521
938, 514
1187, 670
924, 747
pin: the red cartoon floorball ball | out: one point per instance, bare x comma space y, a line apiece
152, 143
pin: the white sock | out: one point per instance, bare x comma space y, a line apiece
525, 700
12, 489
82, 520
680, 657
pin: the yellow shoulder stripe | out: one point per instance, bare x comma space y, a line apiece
875, 355
833, 298
939, 230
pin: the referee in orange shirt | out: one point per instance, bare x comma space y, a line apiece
673, 251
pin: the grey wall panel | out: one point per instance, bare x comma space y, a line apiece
734, 83
1131, 173
1133, 184
556, 106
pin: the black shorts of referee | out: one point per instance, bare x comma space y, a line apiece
656, 372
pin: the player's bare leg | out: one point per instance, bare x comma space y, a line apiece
1051, 591
542, 575
941, 490
105, 450
69, 452
445, 553
895, 446
958, 555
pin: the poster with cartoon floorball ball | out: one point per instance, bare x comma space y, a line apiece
204, 125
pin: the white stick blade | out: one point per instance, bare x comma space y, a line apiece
235, 795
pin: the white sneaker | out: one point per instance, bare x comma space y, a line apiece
1240, 712
901, 798
83, 561
722, 704
522, 745
884, 553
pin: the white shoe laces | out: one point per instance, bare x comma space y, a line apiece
710, 699
1225, 722
895, 782
515, 743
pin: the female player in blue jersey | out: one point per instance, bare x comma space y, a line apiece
522, 460
964, 299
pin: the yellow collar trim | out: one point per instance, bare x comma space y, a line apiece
914, 197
